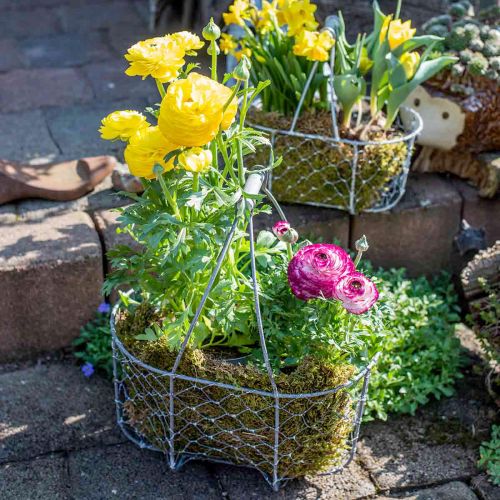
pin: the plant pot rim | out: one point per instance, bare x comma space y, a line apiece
363, 372
414, 118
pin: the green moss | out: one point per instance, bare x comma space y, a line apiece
233, 425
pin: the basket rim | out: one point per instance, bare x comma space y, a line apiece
415, 118
118, 344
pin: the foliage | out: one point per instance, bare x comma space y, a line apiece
420, 354
93, 345
489, 453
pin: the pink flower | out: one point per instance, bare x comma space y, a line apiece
356, 292
315, 269
284, 232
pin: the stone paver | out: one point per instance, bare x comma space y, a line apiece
455, 490
24, 137
418, 233
32, 22
351, 484
51, 273
53, 408
70, 49
44, 478
11, 56
127, 472
484, 488
28, 89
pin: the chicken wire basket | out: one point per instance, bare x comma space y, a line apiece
188, 417
335, 172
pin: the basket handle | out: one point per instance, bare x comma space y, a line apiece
330, 22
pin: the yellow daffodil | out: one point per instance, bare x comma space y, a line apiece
227, 43
122, 125
399, 32
192, 110
196, 159
160, 57
298, 15
147, 148
188, 41
410, 61
365, 63
245, 51
237, 14
265, 17
313, 45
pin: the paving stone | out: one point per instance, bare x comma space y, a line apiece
93, 16
26, 89
121, 37
8, 213
51, 274
106, 222
311, 222
25, 137
32, 22
34, 480
127, 472
455, 490
110, 82
11, 56
484, 488
479, 212
418, 233
350, 484
76, 128
72, 49
50, 408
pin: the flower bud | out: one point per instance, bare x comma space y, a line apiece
211, 31
217, 50
361, 245
242, 70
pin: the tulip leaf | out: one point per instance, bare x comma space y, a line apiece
415, 43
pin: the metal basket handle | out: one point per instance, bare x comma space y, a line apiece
333, 97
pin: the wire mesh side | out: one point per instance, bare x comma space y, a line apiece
237, 425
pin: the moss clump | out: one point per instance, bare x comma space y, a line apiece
318, 171
236, 425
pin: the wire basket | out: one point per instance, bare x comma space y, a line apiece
187, 417
335, 172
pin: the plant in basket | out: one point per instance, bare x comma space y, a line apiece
337, 150
228, 347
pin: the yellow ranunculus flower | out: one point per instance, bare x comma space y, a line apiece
365, 63
399, 32
160, 57
188, 41
192, 110
245, 51
313, 45
410, 61
265, 17
298, 15
227, 43
147, 148
237, 14
196, 159
122, 125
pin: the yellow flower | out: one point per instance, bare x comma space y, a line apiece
298, 15
122, 124
227, 43
237, 14
147, 148
365, 63
160, 57
313, 45
196, 159
245, 51
188, 41
399, 32
265, 16
192, 110
410, 61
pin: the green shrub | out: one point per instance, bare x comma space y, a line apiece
489, 453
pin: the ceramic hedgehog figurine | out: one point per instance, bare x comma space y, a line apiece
460, 107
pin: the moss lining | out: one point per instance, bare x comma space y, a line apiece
236, 425
320, 172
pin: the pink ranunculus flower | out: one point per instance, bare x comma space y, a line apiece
315, 269
284, 232
356, 292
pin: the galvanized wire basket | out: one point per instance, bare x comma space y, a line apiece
336, 172
188, 418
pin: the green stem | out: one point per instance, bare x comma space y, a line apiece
357, 259
213, 44
161, 88
289, 251
168, 196
196, 182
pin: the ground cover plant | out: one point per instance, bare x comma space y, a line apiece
490, 455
